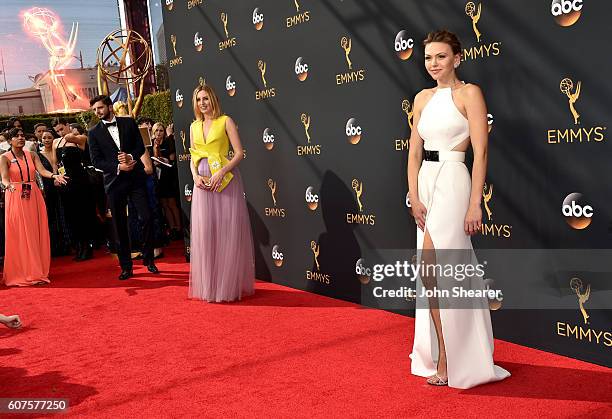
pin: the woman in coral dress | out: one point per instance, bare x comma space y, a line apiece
222, 263
28, 254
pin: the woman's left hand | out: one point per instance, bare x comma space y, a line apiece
473, 220
61, 179
215, 180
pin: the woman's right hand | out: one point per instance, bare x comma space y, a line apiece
419, 212
198, 181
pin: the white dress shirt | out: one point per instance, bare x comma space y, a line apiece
113, 131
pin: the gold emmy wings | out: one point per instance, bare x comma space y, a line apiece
214, 147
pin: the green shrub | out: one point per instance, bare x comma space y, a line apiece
158, 107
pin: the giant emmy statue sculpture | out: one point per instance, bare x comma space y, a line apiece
44, 25
121, 47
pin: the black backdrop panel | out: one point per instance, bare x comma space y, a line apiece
323, 122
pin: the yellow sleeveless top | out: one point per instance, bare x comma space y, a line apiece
215, 147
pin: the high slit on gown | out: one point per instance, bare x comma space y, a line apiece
444, 188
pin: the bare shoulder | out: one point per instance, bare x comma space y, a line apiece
422, 97
470, 92
229, 122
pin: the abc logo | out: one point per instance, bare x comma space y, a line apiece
301, 69
353, 131
490, 121
312, 199
277, 256
188, 193
362, 272
169, 4
268, 139
566, 12
230, 86
179, 98
403, 45
258, 18
576, 212
198, 42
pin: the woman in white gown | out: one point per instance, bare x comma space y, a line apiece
453, 341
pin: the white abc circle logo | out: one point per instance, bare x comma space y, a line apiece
230, 86
312, 199
268, 138
490, 121
179, 98
577, 213
198, 42
188, 193
566, 12
403, 45
169, 4
277, 255
363, 271
353, 131
301, 69
258, 18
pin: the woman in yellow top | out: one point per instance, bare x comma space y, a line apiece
222, 263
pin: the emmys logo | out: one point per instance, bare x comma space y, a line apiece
403, 143
574, 134
583, 296
566, 87
583, 332
481, 50
312, 199
266, 92
352, 75
353, 131
258, 18
489, 228
193, 3
316, 275
403, 45
566, 12
176, 60
360, 217
169, 4
185, 155
489, 122
274, 212
230, 86
301, 69
363, 272
229, 42
179, 98
268, 139
277, 256
310, 148
577, 213
198, 42
188, 193
299, 17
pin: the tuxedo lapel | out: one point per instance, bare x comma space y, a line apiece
106, 135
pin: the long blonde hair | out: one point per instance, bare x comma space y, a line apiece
214, 102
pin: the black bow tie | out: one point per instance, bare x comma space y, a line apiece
110, 124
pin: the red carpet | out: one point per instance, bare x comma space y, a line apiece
139, 348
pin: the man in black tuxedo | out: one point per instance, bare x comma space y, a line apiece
115, 146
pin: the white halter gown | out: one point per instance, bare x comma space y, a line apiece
444, 188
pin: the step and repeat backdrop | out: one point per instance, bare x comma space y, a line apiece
322, 93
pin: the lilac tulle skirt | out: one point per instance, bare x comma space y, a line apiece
222, 262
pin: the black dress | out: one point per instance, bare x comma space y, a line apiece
168, 185
77, 197
59, 232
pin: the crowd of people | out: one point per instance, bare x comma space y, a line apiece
53, 201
